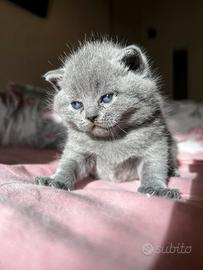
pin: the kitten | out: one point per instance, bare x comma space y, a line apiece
110, 103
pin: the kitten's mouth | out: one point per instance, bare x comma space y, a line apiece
105, 132
94, 127
102, 127
98, 131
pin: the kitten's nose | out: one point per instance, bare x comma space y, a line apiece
91, 118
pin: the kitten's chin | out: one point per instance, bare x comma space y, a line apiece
92, 130
97, 131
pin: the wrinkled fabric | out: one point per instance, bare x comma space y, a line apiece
100, 225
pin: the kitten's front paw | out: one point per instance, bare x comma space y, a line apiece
162, 192
60, 183
43, 180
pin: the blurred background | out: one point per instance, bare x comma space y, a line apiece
34, 33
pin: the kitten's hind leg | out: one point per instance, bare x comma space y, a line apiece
172, 160
153, 172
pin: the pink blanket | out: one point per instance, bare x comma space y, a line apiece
100, 225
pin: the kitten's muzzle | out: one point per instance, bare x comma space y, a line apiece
92, 118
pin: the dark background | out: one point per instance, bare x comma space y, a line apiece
170, 31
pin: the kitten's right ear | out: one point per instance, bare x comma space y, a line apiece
54, 76
134, 60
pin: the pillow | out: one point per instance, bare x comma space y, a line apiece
185, 121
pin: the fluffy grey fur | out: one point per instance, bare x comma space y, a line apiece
119, 140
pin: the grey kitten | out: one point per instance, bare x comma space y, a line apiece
110, 103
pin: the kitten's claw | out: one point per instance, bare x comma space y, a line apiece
43, 180
56, 183
162, 192
66, 185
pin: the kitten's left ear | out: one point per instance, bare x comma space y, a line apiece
54, 76
134, 59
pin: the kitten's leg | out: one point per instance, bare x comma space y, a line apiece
153, 172
66, 173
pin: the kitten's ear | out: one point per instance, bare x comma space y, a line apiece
54, 76
134, 59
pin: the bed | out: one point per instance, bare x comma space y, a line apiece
101, 225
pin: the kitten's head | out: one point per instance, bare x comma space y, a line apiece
104, 89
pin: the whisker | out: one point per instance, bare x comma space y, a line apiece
111, 133
121, 129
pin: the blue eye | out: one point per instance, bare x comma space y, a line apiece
76, 105
106, 98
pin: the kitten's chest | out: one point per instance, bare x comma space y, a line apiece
111, 152
115, 161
